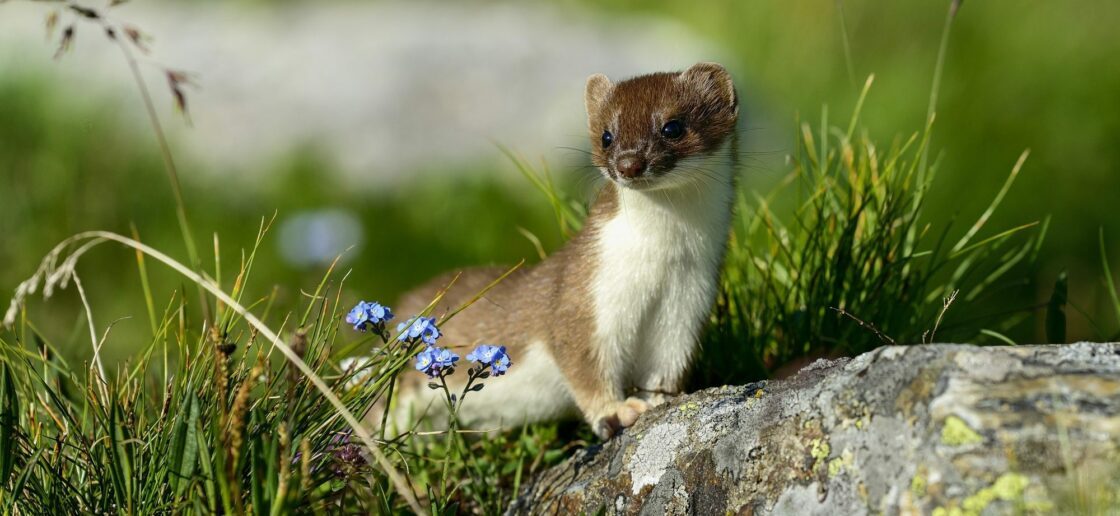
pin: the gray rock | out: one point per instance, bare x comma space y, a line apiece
941, 429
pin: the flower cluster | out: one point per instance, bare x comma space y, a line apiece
493, 356
435, 360
422, 328
368, 316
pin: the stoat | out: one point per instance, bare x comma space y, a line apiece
608, 325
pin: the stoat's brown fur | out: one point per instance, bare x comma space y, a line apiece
619, 308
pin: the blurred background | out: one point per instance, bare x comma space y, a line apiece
372, 129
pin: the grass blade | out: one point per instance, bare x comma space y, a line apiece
1055, 314
9, 421
998, 336
1108, 282
184, 453
994, 204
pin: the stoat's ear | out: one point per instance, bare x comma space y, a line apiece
712, 82
598, 87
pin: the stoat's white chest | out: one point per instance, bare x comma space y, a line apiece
657, 273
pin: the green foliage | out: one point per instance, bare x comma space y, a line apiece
213, 420
841, 258
212, 435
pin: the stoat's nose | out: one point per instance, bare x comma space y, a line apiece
631, 166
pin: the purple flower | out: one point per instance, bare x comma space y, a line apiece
367, 316
347, 455
493, 356
433, 360
341, 455
422, 328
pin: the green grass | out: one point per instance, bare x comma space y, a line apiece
842, 257
228, 417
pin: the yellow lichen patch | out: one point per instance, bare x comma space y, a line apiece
1008, 487
957, 433
951, 511
918, 484
819, 449
1041, 506
837, 465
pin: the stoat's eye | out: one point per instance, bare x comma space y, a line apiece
607, 139
672, 129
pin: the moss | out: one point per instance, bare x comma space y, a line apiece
957, 433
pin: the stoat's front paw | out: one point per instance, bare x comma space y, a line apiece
616, 416
653, 398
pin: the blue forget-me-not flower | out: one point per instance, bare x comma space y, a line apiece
367, 316
433, 360
444, 358
500, 365
424, 361
493, 356
422, 328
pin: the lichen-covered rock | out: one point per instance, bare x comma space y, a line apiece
931, 429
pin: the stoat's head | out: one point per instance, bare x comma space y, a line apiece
641, 128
